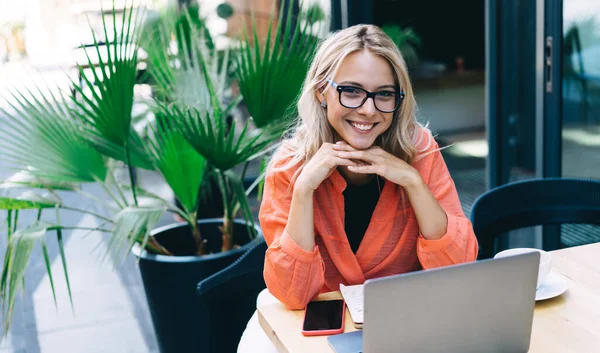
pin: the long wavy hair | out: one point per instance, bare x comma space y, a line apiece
312, 128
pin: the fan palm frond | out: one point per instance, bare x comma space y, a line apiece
271, 78
16, 259
133, 224
216, 140
180, 164
25, 179
107, 97
176, 61
42, 136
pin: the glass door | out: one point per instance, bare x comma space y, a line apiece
515, 97
543, 100
580, 128
514, 103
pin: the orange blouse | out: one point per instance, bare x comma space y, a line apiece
391, 245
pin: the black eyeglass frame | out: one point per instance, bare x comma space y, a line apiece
400, 94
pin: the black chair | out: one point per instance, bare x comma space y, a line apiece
230, 297
531, 203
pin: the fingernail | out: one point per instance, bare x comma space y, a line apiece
339, 142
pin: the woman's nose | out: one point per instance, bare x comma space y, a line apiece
368, 108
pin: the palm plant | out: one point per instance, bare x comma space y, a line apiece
407, 40
194, 83
314, 14
260, 70
56, 143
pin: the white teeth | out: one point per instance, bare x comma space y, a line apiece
362, 126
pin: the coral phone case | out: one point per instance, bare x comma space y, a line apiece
324, 331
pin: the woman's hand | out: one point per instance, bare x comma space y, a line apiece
377, 161
432, 218
320, 167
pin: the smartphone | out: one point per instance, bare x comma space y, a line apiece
324, 318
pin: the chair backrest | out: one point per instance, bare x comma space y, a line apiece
531, 203
230, 296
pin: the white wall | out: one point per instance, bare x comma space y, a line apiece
453, 108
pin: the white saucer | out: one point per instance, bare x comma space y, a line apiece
554, 286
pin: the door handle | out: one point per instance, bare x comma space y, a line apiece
548, 64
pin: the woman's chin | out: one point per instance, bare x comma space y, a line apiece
360, 144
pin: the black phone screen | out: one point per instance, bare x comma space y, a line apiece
323, 315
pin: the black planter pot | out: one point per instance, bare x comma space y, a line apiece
181, 322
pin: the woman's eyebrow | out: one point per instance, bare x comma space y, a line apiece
353, 83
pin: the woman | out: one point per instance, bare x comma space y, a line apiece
360, 190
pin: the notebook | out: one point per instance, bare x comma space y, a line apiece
354, 298
350, 342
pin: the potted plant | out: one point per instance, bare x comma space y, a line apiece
56, 143
407, 40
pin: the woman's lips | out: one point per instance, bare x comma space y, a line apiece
362, 127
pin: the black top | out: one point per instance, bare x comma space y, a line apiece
359, 204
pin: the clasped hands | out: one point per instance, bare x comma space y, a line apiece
375, 160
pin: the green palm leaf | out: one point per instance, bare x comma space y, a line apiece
180, 164
194, 81
42, 136
133, 225
178, 70
241, 200
261, 73
219, 143
138, 157
26, 201
107, 96
25, 179
18, 254
407, 40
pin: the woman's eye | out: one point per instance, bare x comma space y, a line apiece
351, 90
386, 94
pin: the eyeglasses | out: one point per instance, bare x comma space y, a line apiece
354, 97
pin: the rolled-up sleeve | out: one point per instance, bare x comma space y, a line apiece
292, 274
459, 243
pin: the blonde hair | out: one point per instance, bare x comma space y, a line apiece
312, 128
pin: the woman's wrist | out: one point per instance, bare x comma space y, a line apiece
413, 180
431, 217
301, 190
301, 187
300, 225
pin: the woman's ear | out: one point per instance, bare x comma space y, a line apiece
321, 98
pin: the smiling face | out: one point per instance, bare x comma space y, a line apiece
360, 127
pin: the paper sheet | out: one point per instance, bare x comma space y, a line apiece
353, 295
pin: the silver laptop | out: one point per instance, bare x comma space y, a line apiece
478, 307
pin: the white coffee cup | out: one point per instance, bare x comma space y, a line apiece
545, 261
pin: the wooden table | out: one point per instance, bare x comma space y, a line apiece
568, 323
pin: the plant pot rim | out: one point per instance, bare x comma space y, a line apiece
143, 254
